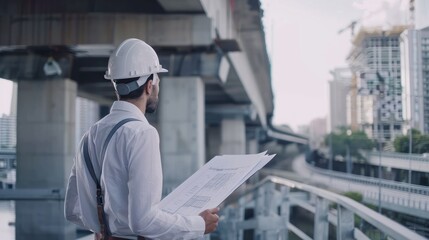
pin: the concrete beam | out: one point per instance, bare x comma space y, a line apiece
230, 110
287, 137
182, 132
32, 194
181, 6
104, 28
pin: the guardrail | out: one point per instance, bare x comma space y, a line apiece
271, 200
396, 196
399, 156
400, 186
32, 194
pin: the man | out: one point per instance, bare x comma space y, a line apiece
128, 171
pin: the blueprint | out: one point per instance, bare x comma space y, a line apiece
213, 183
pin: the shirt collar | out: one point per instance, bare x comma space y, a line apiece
128, 107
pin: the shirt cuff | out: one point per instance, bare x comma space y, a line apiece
199, 223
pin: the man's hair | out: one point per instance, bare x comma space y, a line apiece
134, 94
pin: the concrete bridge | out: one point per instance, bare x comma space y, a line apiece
216, 99
400, 197
264, 212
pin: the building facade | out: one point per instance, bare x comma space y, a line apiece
375, 61
338, 90
415, 78
8, 133
8, 125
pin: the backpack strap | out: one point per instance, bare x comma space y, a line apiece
104, 227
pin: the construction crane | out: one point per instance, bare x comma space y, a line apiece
352, 26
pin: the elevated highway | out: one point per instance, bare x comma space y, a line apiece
400, 197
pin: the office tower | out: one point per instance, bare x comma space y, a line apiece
8, 125
415, 78
375, 60
8, 133
339, 88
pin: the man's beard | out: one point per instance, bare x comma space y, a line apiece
152, 104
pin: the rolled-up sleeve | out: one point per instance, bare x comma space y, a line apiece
145, 187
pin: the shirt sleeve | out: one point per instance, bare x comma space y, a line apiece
144, 184
71, 203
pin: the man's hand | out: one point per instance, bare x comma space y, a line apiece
211, 218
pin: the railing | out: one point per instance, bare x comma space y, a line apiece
399, 156
38, 208
32, 194
400, 186
272, 199
396, 196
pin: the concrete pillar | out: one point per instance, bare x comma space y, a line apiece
252, 143
321, 224
259, 211
233, 136
252, 146
285, 212
45, 151
345, 223
213, 141
181, 121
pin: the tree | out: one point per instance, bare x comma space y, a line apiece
419, 143
356, 141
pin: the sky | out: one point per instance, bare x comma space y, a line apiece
304, 46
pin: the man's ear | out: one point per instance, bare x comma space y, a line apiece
149, 87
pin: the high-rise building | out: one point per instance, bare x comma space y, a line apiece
87, 113
339, 88
375, 60
415, 78
7, 133
317, 132
8, 125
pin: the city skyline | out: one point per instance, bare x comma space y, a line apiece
304, 47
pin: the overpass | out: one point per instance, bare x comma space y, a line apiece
216, 99
396, 196
264, 212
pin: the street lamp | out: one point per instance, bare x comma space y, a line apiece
349, 162
380, 96
409, 163
331, 153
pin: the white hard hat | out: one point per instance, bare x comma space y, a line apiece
132, 58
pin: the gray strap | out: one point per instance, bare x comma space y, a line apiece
106, 143
116, 127
88, 160
104, 227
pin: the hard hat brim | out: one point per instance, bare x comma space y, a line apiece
109, 77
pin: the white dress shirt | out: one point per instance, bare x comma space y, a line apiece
131, 180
